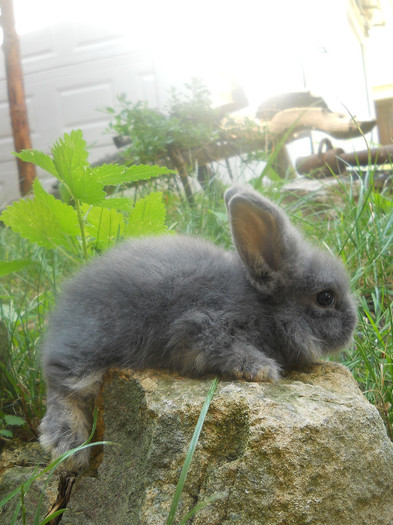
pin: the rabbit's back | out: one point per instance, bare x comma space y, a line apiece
118, 309
159, 271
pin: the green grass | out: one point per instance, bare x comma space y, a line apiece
208, 218
25, 300
357, 225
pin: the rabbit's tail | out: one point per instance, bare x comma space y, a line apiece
68, 419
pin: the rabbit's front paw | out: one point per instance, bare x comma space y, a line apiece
253, 373
255, 366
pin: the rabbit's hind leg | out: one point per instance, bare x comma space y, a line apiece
68, 419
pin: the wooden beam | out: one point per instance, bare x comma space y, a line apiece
16, 94
337, 125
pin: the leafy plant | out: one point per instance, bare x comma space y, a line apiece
95, 220
6, 421
189, 133
188, 121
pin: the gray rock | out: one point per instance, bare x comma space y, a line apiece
307, 450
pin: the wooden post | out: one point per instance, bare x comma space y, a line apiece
180, 165
16, 94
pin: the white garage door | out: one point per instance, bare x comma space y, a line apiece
70, 71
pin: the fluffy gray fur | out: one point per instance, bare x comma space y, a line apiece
184, 304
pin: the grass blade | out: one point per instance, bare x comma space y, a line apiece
190, 452
52, 516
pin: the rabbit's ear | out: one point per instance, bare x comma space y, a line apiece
258, 228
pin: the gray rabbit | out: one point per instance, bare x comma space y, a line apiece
275, 304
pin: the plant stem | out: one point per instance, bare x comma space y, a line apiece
82, 228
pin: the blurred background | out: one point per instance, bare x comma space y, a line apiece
78, 56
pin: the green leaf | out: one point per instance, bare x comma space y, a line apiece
117, 203
147, 217
70, 159
38, 158
85, 187
13, 420
6, 433
72, 147
43, 220
104, 225
114, 174
7, 267
110, 174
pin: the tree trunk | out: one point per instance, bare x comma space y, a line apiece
16, 95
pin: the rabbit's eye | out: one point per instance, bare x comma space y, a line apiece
326, 299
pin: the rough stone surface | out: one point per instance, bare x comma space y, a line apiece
307, 450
